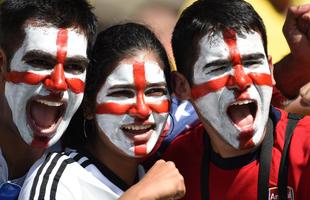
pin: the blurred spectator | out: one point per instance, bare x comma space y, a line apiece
160, 17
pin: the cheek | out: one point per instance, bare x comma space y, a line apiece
19, 92
76, 83
114, 108
74, 102
159, 105
215, 103
208, 104
109, 123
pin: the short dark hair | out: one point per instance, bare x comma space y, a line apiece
208, 17
111, 46
60, 13
116, 43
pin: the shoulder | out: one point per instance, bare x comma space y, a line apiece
46, 174
299, 149
187, 143
281, 120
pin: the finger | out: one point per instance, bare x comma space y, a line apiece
306, 97
299, 10
160, 162
292, 14
290, 24
304, 89
170, 164
303, 24
305, 94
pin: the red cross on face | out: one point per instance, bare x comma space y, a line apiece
56, 80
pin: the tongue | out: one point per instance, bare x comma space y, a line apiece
44, 116
241, 115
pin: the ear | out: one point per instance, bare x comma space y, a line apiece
271, 69
3, 67
3, 61
180, 86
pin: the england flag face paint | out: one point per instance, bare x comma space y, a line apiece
133, 106
233, 86
45, 84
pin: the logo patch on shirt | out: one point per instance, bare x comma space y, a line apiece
274, 195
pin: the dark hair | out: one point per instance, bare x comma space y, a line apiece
111, 46
208, 17
116, 43
60, 13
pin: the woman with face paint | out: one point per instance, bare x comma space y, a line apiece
125, 111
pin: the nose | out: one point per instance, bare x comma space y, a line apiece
240, 80
56, 82
140, 109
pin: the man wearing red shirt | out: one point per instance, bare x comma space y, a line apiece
243, 148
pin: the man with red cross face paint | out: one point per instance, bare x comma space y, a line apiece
242, 148
43, 67
232, 82
45, 84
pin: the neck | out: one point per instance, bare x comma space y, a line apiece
18, 155
123, 166
227, 151
221, 147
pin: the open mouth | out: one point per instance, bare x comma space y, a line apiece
44, 115
137, 129
242, 114
139, 133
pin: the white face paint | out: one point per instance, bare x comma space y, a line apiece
232, 87
132, 106
42, 109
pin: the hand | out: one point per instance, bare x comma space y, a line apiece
305, 94
293, 71
297, 32
301, 104
162, 181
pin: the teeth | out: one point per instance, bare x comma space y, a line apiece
137, 127
49, 103
242, 102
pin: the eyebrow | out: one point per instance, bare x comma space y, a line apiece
126, 86
119, 86
38, 53
254, 56
160, 84
47, 56
219, 62
78, 59
223, 62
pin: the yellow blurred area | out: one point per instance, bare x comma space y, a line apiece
274, 21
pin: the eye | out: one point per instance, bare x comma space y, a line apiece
215, 69
122, 93
74, 68
156, 92
249, 63
40, 63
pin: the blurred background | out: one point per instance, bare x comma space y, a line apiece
161, 16
115, 11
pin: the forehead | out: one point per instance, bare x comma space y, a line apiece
213, 47
44, 38
127, 73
